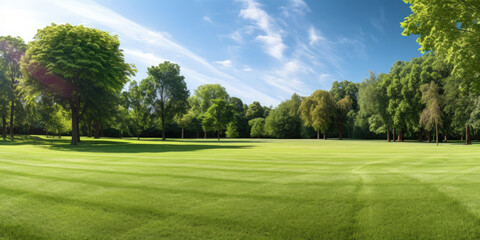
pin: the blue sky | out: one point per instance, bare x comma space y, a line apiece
258, 50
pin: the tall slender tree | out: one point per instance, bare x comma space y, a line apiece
432, 114
167, 92
11, 51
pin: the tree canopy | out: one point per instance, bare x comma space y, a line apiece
166, 92
77, 64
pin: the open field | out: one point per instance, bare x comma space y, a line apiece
238, 189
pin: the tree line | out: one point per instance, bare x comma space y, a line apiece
72, 80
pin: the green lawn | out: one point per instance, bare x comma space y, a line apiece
238, 189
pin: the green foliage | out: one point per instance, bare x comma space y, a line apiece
232, 130
166, 92
75, 63
345, 88
258, 125
219, 115
6, 93
204, 95
255, 110
284, 121
139, 111
451, 30
318, 110
185, 119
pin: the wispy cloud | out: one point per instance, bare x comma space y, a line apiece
225, 63
144, 46
207, 19
314, 36
271, 37
297, 56
378, 21
295, 7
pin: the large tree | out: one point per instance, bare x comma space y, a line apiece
202, 98
318, 111
452, 30
72, 62
11, 51
166, 91
219, 115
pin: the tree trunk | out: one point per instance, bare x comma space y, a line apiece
163, 128
436, 132
74, 108
318, 134
97, 129
89, 124
445, 138
388, 134
12, 111
324, 136
340, 130
218, 135
182, 132
205, 135
429, 136
101, 130
420, 136
468, 141
401, 135
4, 127
393, 134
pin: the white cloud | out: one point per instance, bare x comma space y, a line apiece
314, 36
272, 38
207, 19
236, 36
225, 63
295, 7
247, 69
141, 45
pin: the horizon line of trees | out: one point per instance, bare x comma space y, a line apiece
70, 80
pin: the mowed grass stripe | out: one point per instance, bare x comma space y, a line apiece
238, 189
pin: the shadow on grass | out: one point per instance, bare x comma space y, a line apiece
120, 146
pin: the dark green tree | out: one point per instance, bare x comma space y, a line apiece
219, 115
166, 92
258, 125
11, 51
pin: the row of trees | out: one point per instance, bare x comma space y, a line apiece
77, 75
